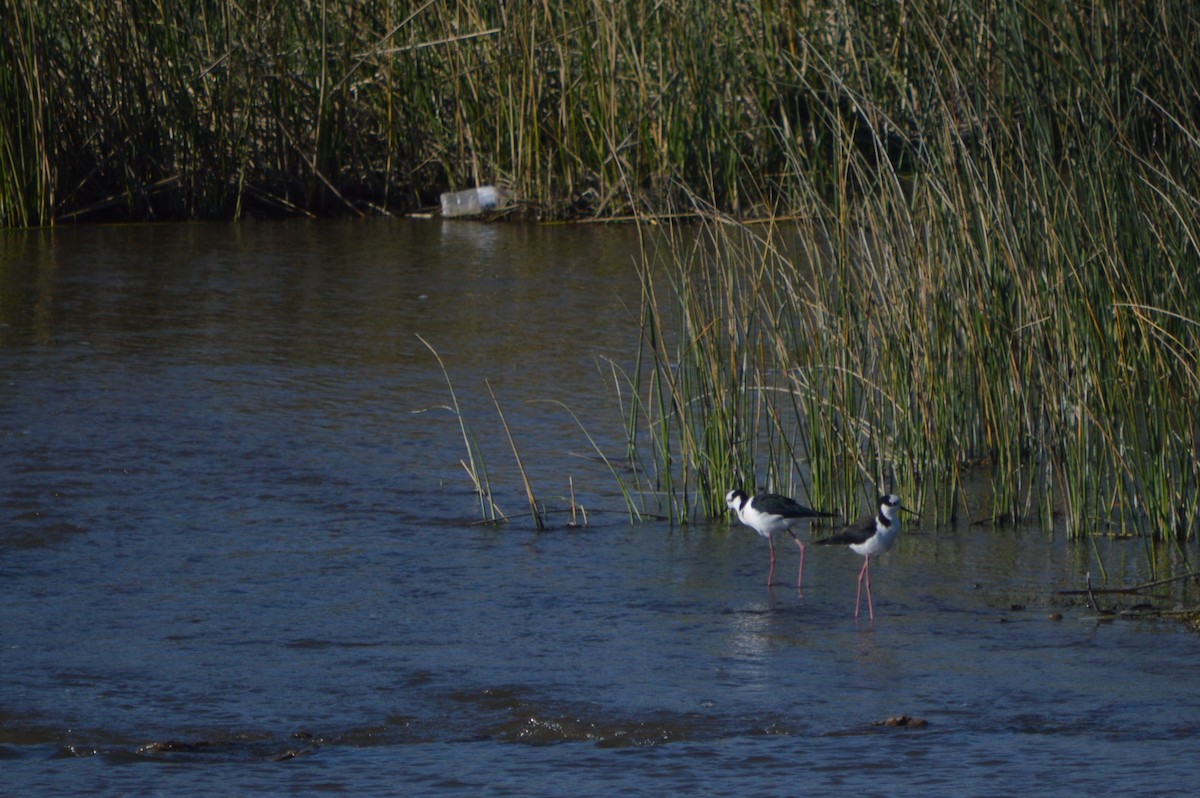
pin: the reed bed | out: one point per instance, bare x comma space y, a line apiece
997, 277
583, 108
983, 257
218, 108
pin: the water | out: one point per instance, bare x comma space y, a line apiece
238, 555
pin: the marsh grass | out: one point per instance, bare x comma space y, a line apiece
473, 465
1011, 286
534, 508
583, 108
990, 260
632, 505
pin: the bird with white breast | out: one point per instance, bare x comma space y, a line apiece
871, 539
768, 513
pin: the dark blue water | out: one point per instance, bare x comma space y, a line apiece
239, 555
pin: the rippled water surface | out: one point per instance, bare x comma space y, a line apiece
238, 555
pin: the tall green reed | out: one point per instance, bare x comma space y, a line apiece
474, 464
583, 108
1001, 275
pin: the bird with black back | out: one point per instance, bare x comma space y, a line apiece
768, 513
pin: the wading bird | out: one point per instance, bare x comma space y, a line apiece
874, 537
768, 513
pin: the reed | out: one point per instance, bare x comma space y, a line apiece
474, 464
627, 492
534, 509
1001, 277
216, 108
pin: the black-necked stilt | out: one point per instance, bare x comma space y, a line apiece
874, 537
768, 513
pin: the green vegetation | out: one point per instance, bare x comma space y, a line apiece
989, 261
474, 463
997, 277
216, 108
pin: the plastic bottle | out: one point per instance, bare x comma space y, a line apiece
473, 202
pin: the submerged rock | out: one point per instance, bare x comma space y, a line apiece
905, 721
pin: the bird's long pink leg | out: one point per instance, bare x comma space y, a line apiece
858, 596
870, 604
800, 578
771, 573
800, 543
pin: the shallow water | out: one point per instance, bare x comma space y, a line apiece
238, 555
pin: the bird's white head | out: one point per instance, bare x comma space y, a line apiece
736, 499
